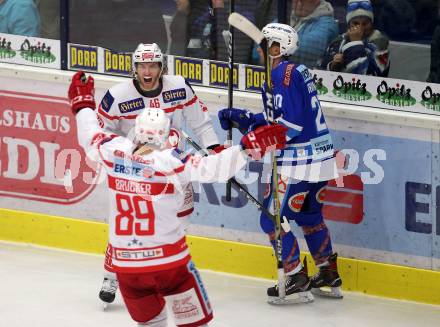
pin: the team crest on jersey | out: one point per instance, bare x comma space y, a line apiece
131, 105
174, 95
321, 194
107, 101
296, 201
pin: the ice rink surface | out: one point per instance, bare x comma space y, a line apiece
42, 287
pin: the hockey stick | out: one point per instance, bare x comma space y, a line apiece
240, 187
247, 27
230, 87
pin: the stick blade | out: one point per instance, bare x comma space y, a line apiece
246, 26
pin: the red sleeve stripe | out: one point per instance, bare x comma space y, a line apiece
181, 106
169, 173
101, 142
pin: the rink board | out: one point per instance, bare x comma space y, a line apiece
238, 258
398, 227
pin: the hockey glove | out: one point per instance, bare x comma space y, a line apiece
264, 139
81, 92
241, 119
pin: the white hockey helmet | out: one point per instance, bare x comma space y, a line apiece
152, 127
283, 34
147, 52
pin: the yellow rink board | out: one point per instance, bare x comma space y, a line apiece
372, 278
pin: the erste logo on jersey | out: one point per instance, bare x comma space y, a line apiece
131, 105
130, 168
174, 95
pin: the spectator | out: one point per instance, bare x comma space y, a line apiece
117, 24
19, 17
316, 27
242, 43
179, 39
191, 30
402, 25
50, 18
362, 49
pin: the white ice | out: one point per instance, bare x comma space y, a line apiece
43, 287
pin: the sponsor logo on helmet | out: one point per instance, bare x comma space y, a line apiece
174, 95
430, 100
147, 55
398, 96
296, 201
131, 105
351, 91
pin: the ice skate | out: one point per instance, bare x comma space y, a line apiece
327, 281
108, 291
297, 289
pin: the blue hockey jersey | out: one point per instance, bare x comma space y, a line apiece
309, 153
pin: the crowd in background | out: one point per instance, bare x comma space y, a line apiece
338, 35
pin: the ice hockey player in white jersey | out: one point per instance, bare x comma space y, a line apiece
151, 88
147, 247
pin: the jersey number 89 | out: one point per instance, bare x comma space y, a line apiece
135, 216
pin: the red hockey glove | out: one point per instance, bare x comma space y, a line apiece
263, 139
81, 92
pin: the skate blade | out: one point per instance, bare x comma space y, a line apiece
330, 292
301, 297
104, 306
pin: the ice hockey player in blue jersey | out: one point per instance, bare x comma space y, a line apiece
304, 167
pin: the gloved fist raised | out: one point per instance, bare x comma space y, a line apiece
239, 118
81, 92
264, 139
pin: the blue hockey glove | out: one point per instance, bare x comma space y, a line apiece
239, 118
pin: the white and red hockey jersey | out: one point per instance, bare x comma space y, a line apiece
123, 102
146, 194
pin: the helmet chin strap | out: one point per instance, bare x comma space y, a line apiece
272, 59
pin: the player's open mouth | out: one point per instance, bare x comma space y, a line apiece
147, 79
